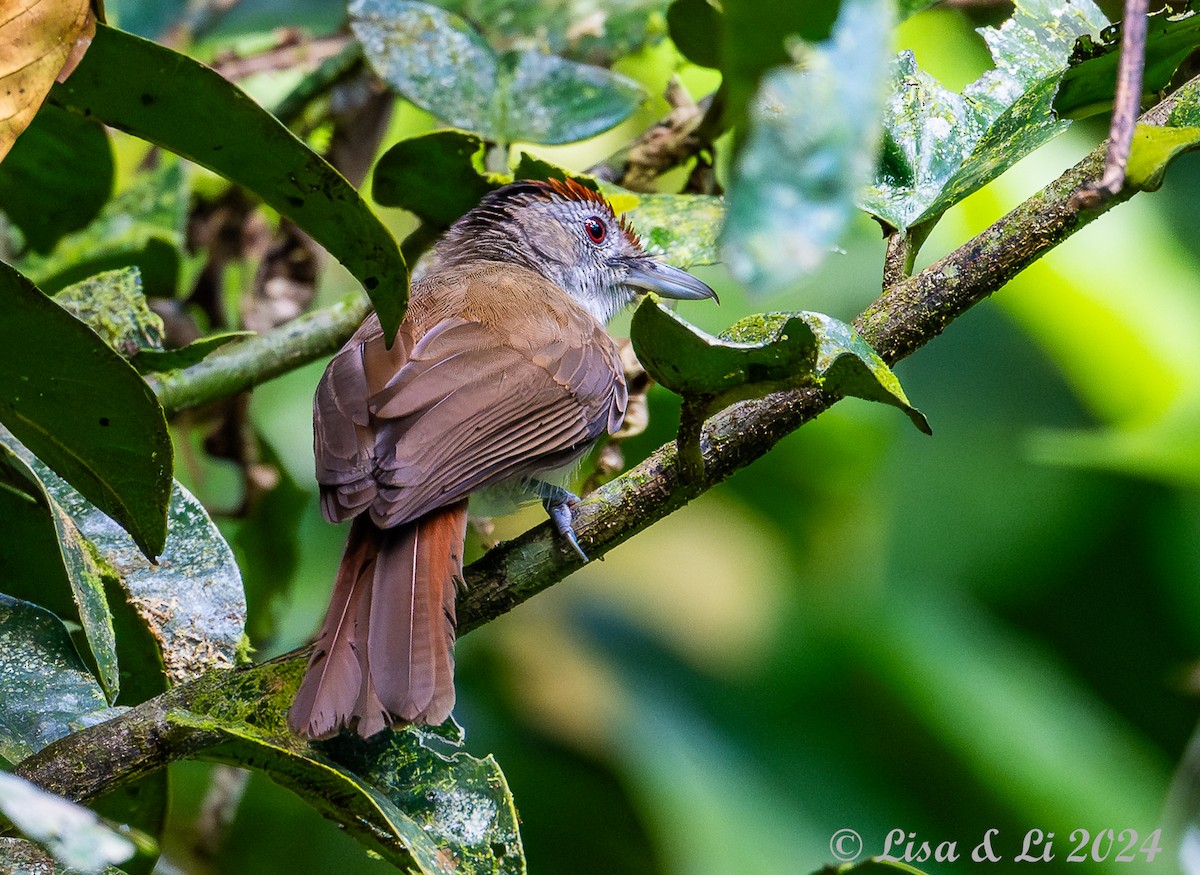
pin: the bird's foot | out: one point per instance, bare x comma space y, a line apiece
558, 503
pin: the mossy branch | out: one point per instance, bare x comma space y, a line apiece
907, 316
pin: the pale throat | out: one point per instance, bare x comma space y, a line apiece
602, 299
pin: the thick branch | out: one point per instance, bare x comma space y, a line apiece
906, 317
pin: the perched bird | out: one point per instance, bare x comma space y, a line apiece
501, 371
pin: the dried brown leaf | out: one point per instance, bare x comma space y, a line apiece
40, 41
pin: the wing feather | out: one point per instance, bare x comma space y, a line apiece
472, 402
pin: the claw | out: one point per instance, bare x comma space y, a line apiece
560, 514
558, 503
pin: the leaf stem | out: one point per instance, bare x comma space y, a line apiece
1127, 101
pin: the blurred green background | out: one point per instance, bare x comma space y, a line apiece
996, 627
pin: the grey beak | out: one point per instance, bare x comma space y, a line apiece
670, 282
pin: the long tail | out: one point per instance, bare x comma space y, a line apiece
384, 655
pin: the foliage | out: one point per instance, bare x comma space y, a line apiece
706, 703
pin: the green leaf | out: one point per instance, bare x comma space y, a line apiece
30, 569
191, 601
437, 60
939, 147
45, 690
437, 176
112, 446
809, 151
35, 193
1090, 83
75, 836
401, 794
158, 361
762, 354
143, 226
1153, 149
696, 28
169, 99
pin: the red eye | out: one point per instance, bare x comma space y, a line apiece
595, 229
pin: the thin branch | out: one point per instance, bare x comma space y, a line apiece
87, 763
292, 51
247, 363
1126, 103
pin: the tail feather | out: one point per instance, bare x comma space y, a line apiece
332, 681
385, 651
411, 638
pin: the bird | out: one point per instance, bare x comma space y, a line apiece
501, 374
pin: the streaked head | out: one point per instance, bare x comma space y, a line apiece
570, 235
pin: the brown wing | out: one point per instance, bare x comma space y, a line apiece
475, 402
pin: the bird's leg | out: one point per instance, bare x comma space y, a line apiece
558, 503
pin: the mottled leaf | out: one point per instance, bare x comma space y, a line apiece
31, 569
848, 365
762, 354
192, 600
434, 58
32, 552
37, 195
939, 146
72, 834
809, 151
548, 99
45, 690
41, 40
404, 794
437, 60
680, 229
578, 29
112, 304
143, 226
170, 99
113, 446
1090, 82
